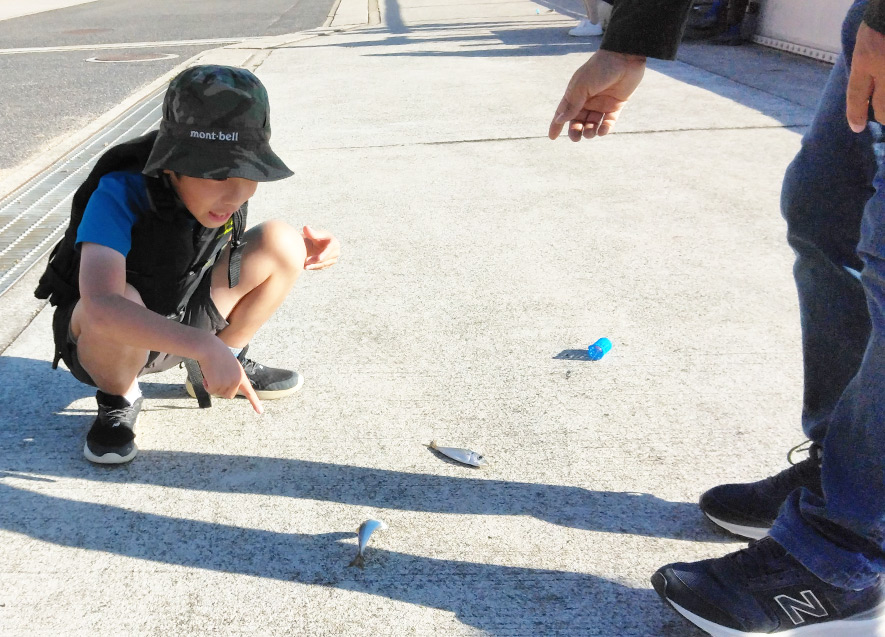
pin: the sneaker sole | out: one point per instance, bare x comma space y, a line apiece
750, 532
874, 627
264, 394
109, 458
112, 458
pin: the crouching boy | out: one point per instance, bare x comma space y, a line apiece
156, 266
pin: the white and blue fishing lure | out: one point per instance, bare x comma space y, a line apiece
363, 533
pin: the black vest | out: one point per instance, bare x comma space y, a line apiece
170, 250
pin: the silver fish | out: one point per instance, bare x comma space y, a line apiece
363, 533
461, 455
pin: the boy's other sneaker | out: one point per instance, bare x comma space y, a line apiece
762, 590
750, 509
586, 29
111, 440
269, 383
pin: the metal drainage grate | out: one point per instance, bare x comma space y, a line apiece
34, 217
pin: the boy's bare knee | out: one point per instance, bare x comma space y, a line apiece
112, 364
285, 243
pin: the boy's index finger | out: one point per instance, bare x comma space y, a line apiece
249, 392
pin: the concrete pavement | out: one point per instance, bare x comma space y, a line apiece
478, 258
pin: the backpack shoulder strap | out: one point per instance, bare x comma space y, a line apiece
236, 245
59, 282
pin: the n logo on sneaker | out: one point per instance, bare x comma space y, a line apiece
794, 607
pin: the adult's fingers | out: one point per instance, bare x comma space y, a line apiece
564, 112
584, 125
608, 122
591, 125
576, 125
597, 119
857, 98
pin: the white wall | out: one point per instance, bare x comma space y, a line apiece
809, 27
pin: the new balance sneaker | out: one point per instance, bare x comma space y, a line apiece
111, 440
762, 590
750, 509
269, 383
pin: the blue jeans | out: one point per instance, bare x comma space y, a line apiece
834, 203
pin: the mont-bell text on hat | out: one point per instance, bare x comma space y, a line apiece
215, 136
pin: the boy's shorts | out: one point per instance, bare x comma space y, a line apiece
200, 313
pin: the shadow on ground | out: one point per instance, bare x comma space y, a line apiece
780, 85
61, 432
493, 598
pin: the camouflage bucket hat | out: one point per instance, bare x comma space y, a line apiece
216, 124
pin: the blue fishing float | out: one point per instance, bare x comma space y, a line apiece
599, 349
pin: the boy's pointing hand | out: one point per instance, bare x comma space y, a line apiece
248, 391
323, 249
223, 375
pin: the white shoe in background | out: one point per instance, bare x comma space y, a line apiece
585, 29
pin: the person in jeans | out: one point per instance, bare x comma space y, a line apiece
818, 567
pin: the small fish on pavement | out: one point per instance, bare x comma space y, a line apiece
363, 533
465, 456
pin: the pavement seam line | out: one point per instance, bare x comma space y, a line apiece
533, 137
257, 59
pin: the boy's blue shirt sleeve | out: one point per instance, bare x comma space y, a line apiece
111, 211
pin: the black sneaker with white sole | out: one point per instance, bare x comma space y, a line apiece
762, 590
269, 383
111, 440
750, 509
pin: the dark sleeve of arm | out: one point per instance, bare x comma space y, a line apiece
875, 15
652, 28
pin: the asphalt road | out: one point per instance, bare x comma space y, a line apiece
49, 95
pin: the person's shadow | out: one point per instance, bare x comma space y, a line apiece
495, 599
